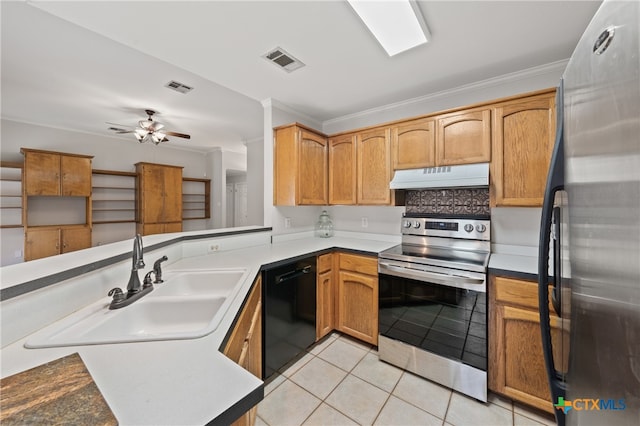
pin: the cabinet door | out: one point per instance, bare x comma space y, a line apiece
464, 138
325, 304
41, 242
516, 361
75, 176
358, 306
285, 163
342, 170
312, 169
172, 227
75, 239
374, 167
520, 371
150, 228
150, 193
172, 194
524, 134
413, 144
41, 173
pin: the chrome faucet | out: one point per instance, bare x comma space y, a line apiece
134, 289
134, 285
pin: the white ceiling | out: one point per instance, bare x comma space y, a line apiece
77, 65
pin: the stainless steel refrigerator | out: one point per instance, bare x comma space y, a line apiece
590, 228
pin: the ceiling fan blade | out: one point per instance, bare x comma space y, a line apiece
119, 132
125, 126
179, 135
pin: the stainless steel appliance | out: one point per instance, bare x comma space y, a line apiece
594, 227
432, 301
289, 314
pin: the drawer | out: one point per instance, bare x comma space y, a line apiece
518, 292
324, 262
363, 264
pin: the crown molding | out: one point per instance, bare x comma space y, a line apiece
553, 67
274, 103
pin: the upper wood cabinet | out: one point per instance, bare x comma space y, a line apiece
464, 137
373, 151
299, 167
413, 144
342, 170
159, 198
523, 139
56, 173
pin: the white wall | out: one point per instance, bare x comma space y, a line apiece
256, 178
110, 153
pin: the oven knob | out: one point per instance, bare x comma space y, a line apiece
468, 227
407, 224
481, 227
416, 224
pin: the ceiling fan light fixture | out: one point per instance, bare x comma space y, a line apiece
157, 137
141, 135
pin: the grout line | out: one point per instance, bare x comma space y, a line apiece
446, 413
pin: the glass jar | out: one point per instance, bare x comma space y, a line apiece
324, 226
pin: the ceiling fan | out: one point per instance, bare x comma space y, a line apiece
149, 130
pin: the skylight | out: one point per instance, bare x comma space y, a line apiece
397, 25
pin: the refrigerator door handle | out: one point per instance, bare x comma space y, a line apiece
556, 295
555, 183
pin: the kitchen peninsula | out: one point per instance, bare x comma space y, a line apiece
155, 382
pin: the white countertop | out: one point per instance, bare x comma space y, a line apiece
180, 381
521, 259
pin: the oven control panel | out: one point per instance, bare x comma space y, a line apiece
475, 229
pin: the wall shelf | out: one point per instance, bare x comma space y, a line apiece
11, 194
114, 197
196, 198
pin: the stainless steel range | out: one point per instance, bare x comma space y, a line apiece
432, 300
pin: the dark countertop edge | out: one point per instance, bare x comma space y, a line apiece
514, 274
239, 408
282, 262
38, 283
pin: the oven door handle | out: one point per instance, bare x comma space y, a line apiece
436, 278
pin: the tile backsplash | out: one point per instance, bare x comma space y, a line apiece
471, 201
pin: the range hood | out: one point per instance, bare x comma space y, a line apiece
462, 176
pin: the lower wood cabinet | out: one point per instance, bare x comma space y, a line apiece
516, 361
357, 297
45, 241
245, 343
325, 300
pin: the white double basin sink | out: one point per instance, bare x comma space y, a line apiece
187, 305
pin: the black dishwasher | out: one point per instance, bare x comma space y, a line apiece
289, 297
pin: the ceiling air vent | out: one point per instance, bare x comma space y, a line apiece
178, 87
283, 59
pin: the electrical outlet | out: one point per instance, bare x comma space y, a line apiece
287, 222
213, 247
17, 254
365, 222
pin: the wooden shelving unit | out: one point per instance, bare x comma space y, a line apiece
196, 198
114, 197
11, 194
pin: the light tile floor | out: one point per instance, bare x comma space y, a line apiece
340, 381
